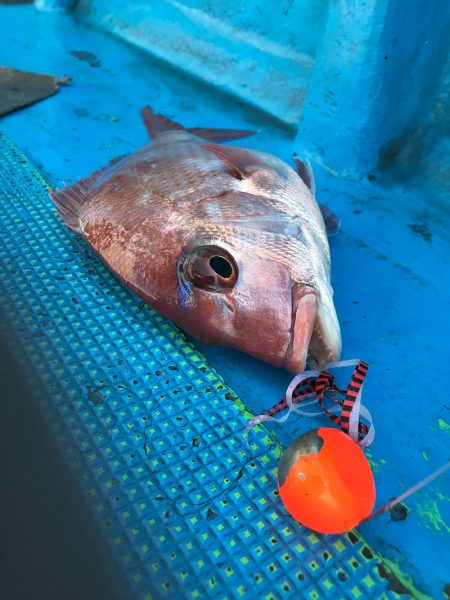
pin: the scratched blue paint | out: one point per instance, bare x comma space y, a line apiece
55, 5
262, 54
375, 82
390, 264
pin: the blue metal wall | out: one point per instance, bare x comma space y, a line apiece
375, 82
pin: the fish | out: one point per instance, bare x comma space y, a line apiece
227, 242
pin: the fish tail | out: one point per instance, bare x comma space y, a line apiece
67, 202
156, 124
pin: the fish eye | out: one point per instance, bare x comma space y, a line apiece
211, 268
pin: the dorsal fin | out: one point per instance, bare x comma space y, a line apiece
157, 123
220, 135
304, 169
69, 199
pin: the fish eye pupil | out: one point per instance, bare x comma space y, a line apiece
221, 266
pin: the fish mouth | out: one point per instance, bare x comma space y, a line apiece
315, 333
325, 344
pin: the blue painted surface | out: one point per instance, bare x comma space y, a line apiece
389, 262
239, 50
375, 83
55, 5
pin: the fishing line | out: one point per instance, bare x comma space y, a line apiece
412, 490
310, 389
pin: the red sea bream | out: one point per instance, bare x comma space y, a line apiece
227, 242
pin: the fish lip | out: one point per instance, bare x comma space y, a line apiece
325, 344
315, 333
304, 311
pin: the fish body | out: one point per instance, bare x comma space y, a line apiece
227, 242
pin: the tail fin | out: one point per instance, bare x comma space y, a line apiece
69, 199
67, 202
156, 124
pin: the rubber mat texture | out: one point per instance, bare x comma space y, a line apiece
152, 433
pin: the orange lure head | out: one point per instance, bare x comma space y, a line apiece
325, 481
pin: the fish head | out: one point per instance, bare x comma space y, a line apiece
230, 295
236, 294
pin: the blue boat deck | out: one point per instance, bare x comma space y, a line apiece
390, 275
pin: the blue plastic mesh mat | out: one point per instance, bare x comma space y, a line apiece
151, 431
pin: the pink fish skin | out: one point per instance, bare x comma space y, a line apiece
227, 242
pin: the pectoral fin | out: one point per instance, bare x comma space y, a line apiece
305, 172
239, 162
304, 169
